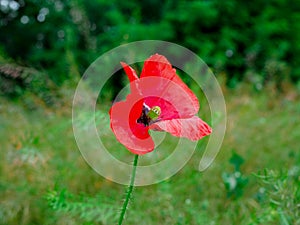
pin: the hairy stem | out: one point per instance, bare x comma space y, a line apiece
129, 190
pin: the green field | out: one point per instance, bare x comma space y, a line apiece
255, 178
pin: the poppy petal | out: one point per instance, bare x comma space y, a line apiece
123, 121
172, 98
131, 74
192, 128
168, 110
158, 66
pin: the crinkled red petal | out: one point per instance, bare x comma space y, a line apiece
131, 74
168, 111
172, 98
192, 128
123, 121
158, 66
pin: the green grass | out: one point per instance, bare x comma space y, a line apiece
39, 160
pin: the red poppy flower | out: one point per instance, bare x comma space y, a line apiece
159, 100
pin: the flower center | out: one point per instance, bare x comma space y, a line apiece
149, 115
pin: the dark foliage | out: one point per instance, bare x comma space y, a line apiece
257, 41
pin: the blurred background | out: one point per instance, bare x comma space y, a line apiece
253, 48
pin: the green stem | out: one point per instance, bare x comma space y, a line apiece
129, 190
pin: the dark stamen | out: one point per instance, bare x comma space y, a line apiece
144, 119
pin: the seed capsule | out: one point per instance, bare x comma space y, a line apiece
154, 113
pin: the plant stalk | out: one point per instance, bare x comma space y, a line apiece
129, 190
